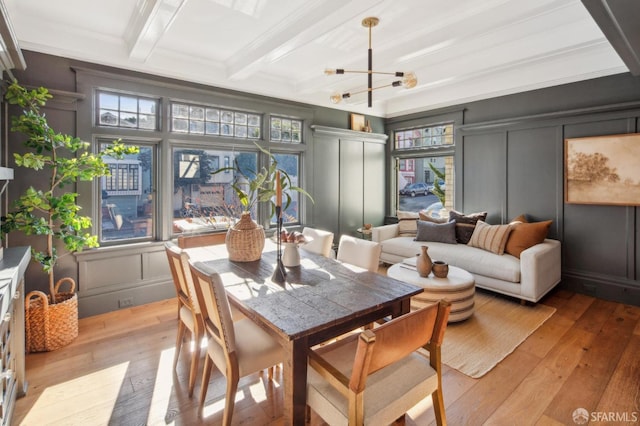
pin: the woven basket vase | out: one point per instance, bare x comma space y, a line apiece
245, 240
50, 326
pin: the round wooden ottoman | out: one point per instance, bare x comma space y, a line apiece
458, 287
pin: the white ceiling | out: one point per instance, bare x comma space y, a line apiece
460, 50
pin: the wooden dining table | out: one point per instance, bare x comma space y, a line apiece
319, 300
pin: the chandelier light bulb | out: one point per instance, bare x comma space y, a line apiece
329, 71
336, 98
409, 80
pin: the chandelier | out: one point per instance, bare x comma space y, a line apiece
408, 80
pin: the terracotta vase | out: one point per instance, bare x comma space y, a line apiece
424, 263
245, 240
440, 269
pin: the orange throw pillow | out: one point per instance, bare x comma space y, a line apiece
525, 235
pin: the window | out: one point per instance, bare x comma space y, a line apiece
127, 204
285, 130
203, 201
202, 120
425, 168
128, 111
424, 137
289, 163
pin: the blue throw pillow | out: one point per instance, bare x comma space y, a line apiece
437, 232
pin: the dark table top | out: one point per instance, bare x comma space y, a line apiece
318, 295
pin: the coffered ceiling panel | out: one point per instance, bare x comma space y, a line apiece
459, 50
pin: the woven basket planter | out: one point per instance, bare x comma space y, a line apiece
50, 326
245, 240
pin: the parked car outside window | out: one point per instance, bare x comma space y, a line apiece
414, 189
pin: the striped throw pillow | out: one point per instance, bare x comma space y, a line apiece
492, 238
407, 223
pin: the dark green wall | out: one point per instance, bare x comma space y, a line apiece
510, 160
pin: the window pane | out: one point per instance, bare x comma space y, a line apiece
202, 201
126, 198
254, 132
212, 128
213, 114
128, 119
196, 127
108, 101
180, 125
240, 118
227, 117
421, 188
290, 163
226, 130
147, 106
108, 118
147, 121
129, 104
127, 111
180, 111
254, 120
241, 132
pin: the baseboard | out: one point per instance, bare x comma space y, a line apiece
602, 287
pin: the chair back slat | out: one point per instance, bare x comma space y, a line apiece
362, 253
396, 339
182, 279
216, 311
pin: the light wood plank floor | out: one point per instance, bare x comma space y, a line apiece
118, 372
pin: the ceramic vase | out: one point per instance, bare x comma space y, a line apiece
423, 262
440, 269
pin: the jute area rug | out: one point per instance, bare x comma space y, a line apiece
495, 329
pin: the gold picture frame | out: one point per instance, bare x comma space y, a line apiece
602, 170
357, 122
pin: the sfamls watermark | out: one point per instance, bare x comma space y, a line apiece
581, 416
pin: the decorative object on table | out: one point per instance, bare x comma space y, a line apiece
602, 170
440, 268
50, 326
279, 274
245, 240
53, 213
291, 242
423, 262
408, 80
367, 127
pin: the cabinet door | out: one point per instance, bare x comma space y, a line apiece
326, 178
351, 185
374, 183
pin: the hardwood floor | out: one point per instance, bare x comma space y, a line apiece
119, 372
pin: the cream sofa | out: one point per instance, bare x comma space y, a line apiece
528, 278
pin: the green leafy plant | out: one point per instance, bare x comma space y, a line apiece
254, 187
437, 188
64, 160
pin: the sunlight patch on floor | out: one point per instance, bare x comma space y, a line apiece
98, 391
162, 388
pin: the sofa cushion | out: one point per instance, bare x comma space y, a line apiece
407, 223
473, 259
424, 216
440, 232
490, 237
525, 235
465, 224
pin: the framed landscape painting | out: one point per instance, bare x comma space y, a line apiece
602, 170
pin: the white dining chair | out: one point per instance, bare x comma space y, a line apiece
358, 252
320, 242
236, 348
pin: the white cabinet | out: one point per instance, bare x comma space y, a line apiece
12, 334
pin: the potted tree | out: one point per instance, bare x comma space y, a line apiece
245, 240
52, 212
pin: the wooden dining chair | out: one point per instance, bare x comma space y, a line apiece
236, 348
189, 314
362, 253
320, 242
375, 377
